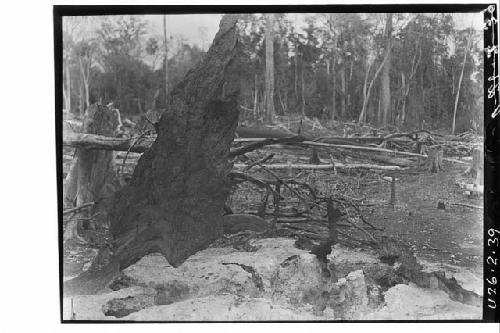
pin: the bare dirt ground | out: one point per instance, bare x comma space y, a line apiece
450, 236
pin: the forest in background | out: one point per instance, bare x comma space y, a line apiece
388, 70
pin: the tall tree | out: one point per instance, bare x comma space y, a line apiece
368, 88
165, 45
460, 82
85, 51
406, 80
269, 95
332, 67
67, 52
386, 78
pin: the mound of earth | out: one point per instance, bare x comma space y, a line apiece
272, 280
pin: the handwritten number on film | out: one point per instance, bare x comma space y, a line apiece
492, 242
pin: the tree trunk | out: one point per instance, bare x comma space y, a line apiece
386, 80
82, 100
174, 202
350, 90
367, 92
296, 71
405, 95
302, 88
334, 95
165, 45
269, 97
84, 74
67, 91
344, 93
459, 85
362, 114
255, 99
334, 85
477, 169
92, 175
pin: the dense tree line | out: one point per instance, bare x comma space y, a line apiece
405, 70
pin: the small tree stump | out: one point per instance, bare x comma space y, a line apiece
435, 160
393, 192
314, 157
263, 205
276, 201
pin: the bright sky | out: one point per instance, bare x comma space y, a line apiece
189, 25
200, 29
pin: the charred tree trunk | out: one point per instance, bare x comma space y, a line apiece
92, 175
174, 202
477, 169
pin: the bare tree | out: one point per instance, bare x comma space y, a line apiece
406, 81
269, 95
85, 58
165, 45
367, 88
332, 69
386, 79
67, 85
460, 83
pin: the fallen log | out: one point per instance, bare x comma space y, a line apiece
265, 142
91, 141
76, 209
466, 205
399, 161
325, 166
349, 141
365, 148
140, 145
101, 142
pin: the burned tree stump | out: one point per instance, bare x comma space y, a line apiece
393, 191
477, 168
175, 199
174, 202
435, 160
92, 176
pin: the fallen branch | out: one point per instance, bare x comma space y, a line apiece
407, 134
305, 220
361, 229
73, 210
265, 142
453, 160
239, 177
93, 141
306, 203
467, 205
280, 166
263, 160
132, 146
352, 147
84, 218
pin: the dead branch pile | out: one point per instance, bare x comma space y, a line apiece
279, 163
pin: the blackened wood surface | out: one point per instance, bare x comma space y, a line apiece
174, 202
